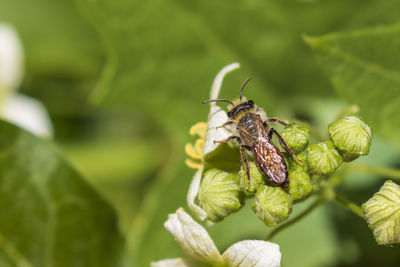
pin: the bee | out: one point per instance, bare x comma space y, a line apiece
253, 133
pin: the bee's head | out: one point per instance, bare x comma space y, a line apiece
240, 107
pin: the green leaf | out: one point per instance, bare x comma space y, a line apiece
375, 12
66, 47
62, 54
364, 68
118, 169
51, 216
165, 53
140, 68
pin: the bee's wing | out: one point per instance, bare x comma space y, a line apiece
247, 138
270, 160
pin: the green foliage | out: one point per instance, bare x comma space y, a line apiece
116, 179
369, 79
61, 49
158, 58
199, 38
51, 216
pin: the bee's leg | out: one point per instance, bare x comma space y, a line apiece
225, 124
245, 163
278, 121
230, 138
283, 144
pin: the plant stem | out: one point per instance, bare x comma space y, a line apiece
380, 171
336, 178
349, 205
281, 227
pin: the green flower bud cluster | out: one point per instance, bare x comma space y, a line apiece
274, 204
350, 138
223, 192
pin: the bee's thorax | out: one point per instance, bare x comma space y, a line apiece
248, 122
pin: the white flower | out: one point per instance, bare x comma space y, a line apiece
200, 248
17, 108
11, 59
216, 117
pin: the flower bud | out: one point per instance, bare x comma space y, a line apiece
351, 136
219, 194
272, 205
296, 137
382, 213
299, 179
322, 158
256, 179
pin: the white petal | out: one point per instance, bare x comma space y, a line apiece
192, 237
191, 196
11, 59
253, 253
26, 113
178, 262
216, 118
217, 83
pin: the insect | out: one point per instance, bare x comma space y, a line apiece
252, 132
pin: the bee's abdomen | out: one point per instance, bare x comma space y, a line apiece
270, 161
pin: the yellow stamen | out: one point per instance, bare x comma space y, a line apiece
199, 129
192, 151
195, 152
193, 164
198, 145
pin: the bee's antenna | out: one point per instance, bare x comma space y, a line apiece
244, 84
217, 100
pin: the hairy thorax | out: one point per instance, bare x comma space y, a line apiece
249, 122
250, 127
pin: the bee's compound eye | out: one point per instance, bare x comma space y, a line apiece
251, 103
230, 114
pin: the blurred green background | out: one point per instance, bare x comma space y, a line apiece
123, 81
